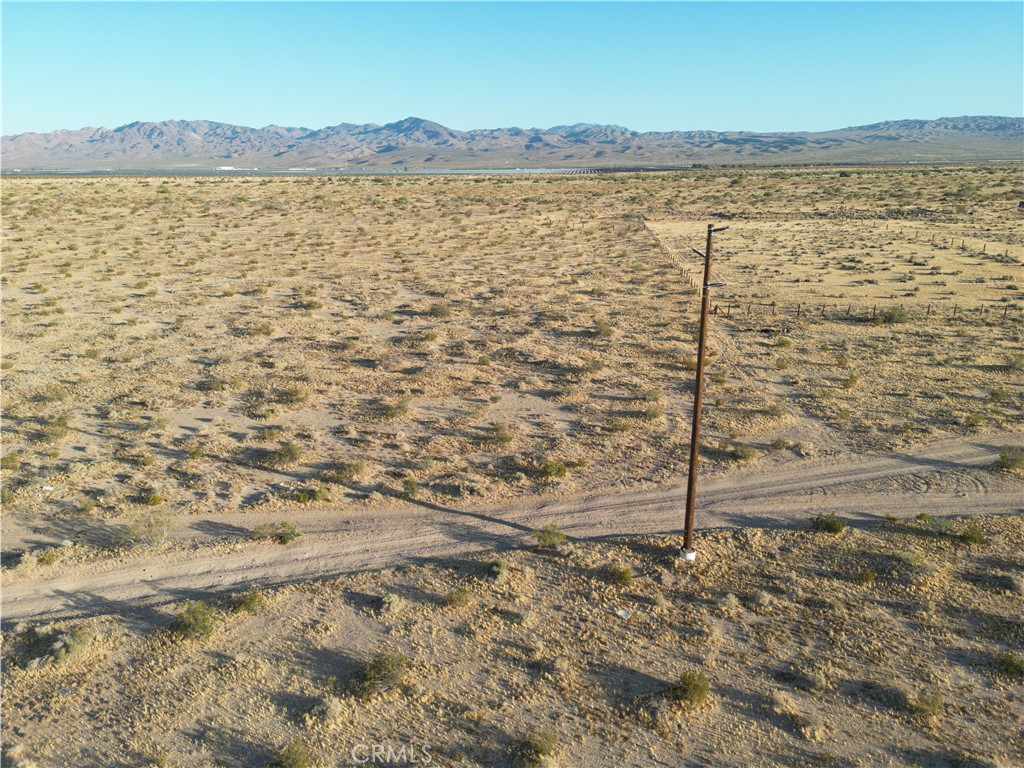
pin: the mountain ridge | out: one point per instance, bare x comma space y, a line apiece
422, 143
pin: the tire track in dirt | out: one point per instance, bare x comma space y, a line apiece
776, 496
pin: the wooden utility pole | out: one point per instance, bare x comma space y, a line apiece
688, 551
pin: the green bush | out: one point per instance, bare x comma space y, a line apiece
293, 755
1011, 664
308, 495
828, 523
622, 575
549, 537
458, 597
382, 673
500, 434
552, 469
283, 532
867, 576
894, 315
250, 601
196, 619
1011, 458
539, 743
291, 395
973, 534
743, 452
288, 453
926, 706
603, 329
691, 690
346, 472
389, 411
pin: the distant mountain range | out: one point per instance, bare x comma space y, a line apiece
415, 143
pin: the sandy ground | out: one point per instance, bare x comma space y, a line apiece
418, 373
951, 477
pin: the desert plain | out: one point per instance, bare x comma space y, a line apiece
297, 465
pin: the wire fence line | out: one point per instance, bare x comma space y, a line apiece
862, 311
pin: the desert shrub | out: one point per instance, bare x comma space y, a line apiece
52, 430
850, 381
410, 485
549, 537
998, 395
552, 469
691, 690
867, 576
382, 673
290, 395
309, 495
49, 556
779, 444
538, 744
603, 329
40, 648
260, 329
440, 311
622, 575
894, 315
1011, 458
150, 530
389, 411
973, 534
458, 597
287, 453
11, 461
70, 643
828, 523
498, 569
620, 426
196, 619
250, 601
1011, 664
282, 532
912, 558
346, 472
499, 434
1014, 362
653, 411
270, 434
743, 452
926, 706
220, 385
152, 499
783, 343
975, 420
7, 495
295, 754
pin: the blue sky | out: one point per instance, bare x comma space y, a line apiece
649, 66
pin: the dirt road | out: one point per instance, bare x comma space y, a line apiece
950, 477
